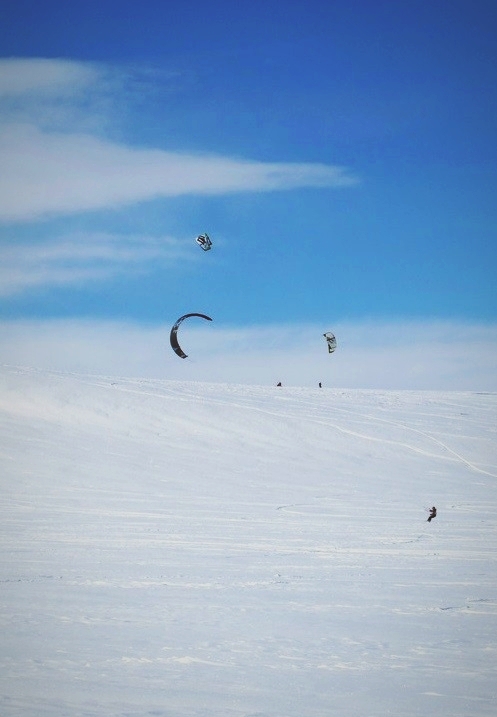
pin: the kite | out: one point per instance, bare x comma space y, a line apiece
332, 342
204, 242
173, 338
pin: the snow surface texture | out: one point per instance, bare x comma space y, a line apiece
208, 550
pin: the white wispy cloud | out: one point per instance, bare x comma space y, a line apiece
81, 258
49, 168
43, 76
59, 95
55, 173
404, 355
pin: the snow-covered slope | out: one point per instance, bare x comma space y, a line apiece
187, 549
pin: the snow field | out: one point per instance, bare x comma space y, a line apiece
183, 549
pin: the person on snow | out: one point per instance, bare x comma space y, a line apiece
433, 514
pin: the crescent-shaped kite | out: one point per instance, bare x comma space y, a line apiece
173, 338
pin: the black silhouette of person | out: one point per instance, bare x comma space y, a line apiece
433, 514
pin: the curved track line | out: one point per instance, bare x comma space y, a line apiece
279, 414
425, 435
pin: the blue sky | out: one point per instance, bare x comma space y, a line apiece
341, 155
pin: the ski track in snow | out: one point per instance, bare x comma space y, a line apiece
208, 550
369, 417
454, 455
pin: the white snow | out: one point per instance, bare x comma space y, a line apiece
181, 549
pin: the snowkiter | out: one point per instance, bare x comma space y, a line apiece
433, 514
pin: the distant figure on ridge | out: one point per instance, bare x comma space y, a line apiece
279, 383
320, 385
433, 514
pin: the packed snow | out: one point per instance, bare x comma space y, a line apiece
184, 549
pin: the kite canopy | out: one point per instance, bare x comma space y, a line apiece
331, 340
173, 338
204, 242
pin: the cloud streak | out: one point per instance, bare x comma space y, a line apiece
41, 76
81, 258
44, 174
49, 168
